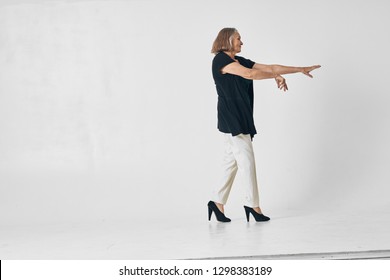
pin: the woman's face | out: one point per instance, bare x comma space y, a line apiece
236, 42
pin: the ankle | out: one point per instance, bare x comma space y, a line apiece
220, 206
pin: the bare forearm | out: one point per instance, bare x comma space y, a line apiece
281, 69
257, 74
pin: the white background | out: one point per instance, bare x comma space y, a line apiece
108, 108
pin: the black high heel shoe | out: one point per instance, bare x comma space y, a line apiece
258, 217
218, 214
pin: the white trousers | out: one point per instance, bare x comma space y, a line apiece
238, 155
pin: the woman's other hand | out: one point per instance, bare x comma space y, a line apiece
281, 82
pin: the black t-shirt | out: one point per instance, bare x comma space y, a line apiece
235, 97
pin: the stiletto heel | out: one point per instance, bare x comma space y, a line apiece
247, 214
218, 214
258, 217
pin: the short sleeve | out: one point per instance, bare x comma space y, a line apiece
220, 61
245, 62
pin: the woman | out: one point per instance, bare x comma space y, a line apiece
233, 76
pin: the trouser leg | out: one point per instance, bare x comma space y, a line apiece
229, 171
238, 155
242, 149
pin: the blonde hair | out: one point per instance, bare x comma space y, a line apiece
223, 42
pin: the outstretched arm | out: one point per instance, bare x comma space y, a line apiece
254, 74
262, 71
236, 68
281, 69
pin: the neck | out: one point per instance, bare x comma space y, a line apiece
231, 54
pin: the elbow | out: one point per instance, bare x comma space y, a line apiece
274, 69
250, 74
255, 74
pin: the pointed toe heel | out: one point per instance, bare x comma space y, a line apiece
258, 217
218, 214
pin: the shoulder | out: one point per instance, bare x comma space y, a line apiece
245, 62
220, 60
221, 56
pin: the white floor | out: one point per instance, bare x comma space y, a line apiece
300, 236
